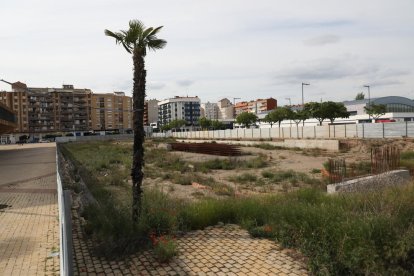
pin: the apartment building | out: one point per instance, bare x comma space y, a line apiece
48, 109
66, 109
257, 106
177, 108
223, 110
111, 111
18, 103
150, 112
7, 119
209, 110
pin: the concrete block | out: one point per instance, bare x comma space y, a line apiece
388, 179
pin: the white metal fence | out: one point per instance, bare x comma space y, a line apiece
65, 225
378, 130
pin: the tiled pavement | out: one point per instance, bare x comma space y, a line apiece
225, 250
29, 238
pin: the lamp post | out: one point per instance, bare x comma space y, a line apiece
369, 98
290, 101
290, 106
303, 100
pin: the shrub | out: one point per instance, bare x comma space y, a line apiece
244, 178
165, 248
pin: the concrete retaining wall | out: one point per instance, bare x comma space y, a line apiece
331, 145
378, 130
94, 138
388, 179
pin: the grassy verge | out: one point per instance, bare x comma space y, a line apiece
370, 233
353, 234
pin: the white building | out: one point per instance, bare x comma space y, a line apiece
179, 108
210, 111
225, 110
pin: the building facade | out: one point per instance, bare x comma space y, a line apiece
8, 119
257, 106
150, 112
225, 110
66, 109
111, 111
179, 108
209, 110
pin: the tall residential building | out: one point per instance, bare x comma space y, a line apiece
177, 108
42, 110
209, 110
258, 106
225, 109
17, 101
66, 109
111, 111
7, 119
150, 112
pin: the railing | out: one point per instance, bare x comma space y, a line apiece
65, 225
7, 115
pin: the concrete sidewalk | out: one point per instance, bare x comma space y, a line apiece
29, 225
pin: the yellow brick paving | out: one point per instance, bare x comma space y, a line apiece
29, 226
225, 250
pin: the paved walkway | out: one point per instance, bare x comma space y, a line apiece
226, 250
29, 226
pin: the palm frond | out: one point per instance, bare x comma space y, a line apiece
156, 44
137, 25
146, 33
118, 36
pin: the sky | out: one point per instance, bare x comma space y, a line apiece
216, 49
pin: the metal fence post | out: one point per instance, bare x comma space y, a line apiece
345, 130
383, 130
363, 130
314, 131
406, 129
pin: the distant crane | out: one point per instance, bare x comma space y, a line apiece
6, 82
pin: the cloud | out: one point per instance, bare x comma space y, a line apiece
185, 83
322, 40
156, 85
326, 69
385, 82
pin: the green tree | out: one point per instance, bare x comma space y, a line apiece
136, 40
299, 116
246, 119
278, 115
360, 96
216, 124
326, 110
314, 109
335, 110
376, 110
177, 123
204, 123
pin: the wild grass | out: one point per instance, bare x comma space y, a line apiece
351, 234
344, 235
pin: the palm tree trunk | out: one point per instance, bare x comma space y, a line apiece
138, 96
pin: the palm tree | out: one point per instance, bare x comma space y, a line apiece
136, 40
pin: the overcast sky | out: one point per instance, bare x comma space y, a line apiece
216, 49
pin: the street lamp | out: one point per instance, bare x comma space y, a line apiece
290, 101
290, 106
369, 98
303, 101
